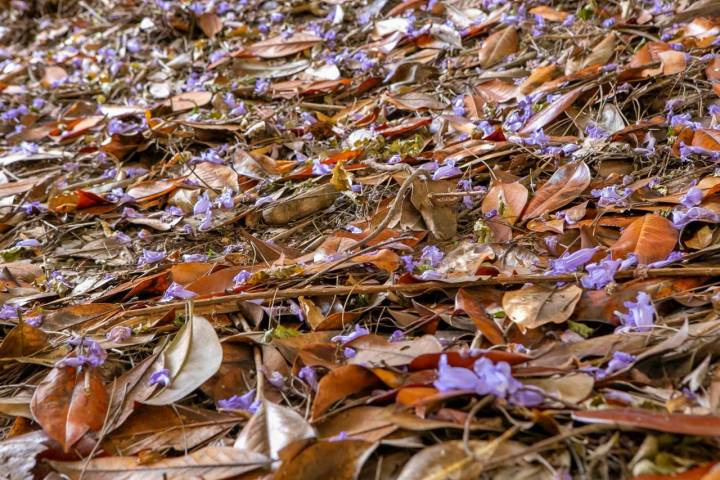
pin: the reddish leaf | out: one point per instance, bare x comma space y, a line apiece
474, 303
700, 425
277, 47
340, 383
210, 24
551, 112
498, 46
68, 403
566, 184
651, 238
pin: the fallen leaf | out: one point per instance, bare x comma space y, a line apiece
69, 403
565, 185
341, 460
699, 425
338, 384
537, 305
210, 24
498, 46
651, 238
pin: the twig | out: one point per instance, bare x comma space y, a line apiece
419, 287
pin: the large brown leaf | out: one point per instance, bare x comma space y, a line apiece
551, 112
508, 200
272, 428
498, 46
537, 305
210, 24
700, 425
338, 384
22, 340
340, 460
651, 238
68, 403
565, 185
210, 463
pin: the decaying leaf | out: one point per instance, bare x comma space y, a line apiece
537, 305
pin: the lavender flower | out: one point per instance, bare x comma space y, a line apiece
29, 243
34, 321
349, 352
570, 262
202, 205
612, 196
308, 375
277, 380
119, 334
640, 316
91, 353
177, 291
160, 377
454, 378
397, 336
431, 255
319, 169
8, 312
692, 198
206, 223
245, 402
149, 256
600, 274
241, 277
619, 361
262, 85
194, 257
448, 170
681, 217
673, 257
458, 106
33, 207
596, 132
358, 332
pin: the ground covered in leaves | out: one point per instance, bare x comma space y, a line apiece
343, 239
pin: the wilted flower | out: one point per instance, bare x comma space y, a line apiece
692, 198
277, 380
308, 375
88, 352
8, 312
30, 243
242, 277
119, 334
206, 223
595, 132
640, 316
202, 205
176, 291
486, 378
448, 170
245, 402
149, 256
681, 217
358, 332
262, 85
673, 257
160, 377
194, 257
601, 273
34, 321
570, 262
619, 361
349, 352
319, 169
397, 336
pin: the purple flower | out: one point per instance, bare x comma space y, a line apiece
308, 375
494, 378
177, 291
119, 334
194, 257
612, 195
448, 170
262, 85
408, 263
397, 336
339, 437
608, 23
276, 17
610, 67
242, 277
133, 45
149, 256
33, 207
174, 211
640, 316
692, 198
8, 312
206, 223
129, 212
570, 262
30, 242
681, 217
277, 380
619, 361
202, 205
88, 352
225, 200
349, 352
245, 402
714, 109
454, 378
121, 238
432, 255
358, 332
458, 106
160, 377
595, 132
319, 169
601, 273
35, 321
38, 103
673, 257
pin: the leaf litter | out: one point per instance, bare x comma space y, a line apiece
348, 239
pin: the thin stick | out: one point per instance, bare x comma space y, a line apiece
419, 287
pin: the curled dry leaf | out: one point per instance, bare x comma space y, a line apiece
650, 237
508, 200
277, 47
69, 403
565, 185
193, 356
537, 305
375, 350
551, 112
301, 205
272, 428
700, 425
415, 102
210, 24
22, 340
474, 303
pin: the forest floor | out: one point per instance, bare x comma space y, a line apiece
345, 239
